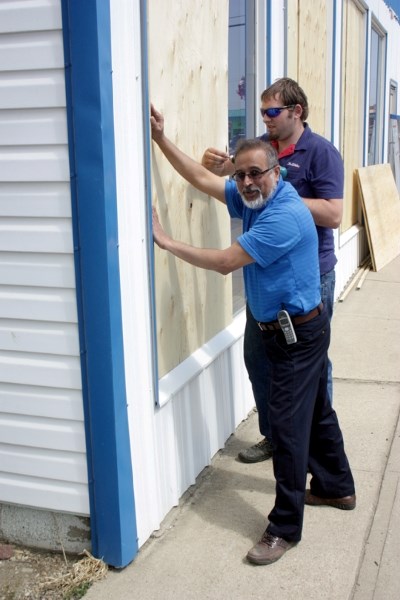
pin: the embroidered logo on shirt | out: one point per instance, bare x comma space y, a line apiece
293, 164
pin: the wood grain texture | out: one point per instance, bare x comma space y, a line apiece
381, 208
313, 67
308, 56
188, 62
352, 126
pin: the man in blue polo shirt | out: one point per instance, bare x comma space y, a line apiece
315, 168
278, 252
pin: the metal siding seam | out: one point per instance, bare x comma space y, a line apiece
86, 29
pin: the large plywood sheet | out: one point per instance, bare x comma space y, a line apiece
381, 207
313, 54
188, 70
293, 39
308, 55
352, 125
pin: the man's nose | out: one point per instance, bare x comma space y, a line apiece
247, 176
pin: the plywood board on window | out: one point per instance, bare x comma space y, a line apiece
353, 89
313, 60
308, 55
188, 72
381, 206
293, 39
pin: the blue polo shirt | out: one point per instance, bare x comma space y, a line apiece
282, 239
315, 169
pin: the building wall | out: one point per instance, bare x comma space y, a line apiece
208, 394
178, 423
42, 440
353, 56
329, 42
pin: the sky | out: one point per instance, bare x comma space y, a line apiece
395, 4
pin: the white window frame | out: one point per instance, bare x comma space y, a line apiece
379, 143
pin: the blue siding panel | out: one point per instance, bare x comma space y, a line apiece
91, 138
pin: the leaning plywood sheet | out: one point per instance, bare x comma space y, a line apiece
381, 206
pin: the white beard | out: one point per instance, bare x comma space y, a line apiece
260, 202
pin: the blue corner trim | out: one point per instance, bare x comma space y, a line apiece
87, 47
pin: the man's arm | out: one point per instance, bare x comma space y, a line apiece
326, 213
327, 184
217, 162
192, 171
222, 261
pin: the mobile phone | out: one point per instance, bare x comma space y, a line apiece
287, 327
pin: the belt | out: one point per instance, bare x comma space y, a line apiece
273, 325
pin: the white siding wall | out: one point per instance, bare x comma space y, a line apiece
42, 440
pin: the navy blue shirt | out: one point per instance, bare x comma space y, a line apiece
282, 240
315, 169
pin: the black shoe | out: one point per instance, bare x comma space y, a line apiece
260, 451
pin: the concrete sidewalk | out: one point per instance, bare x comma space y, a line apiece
200, 551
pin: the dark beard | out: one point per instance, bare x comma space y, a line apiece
272, 136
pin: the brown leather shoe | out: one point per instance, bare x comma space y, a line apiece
345, 503
269, 549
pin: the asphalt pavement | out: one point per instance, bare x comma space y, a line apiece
200, 551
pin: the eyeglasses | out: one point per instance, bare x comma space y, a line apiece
253, 174
275, 111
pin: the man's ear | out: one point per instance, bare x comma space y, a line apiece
277, 171
298, 111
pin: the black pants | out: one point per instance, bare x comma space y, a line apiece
254, 355
304, 427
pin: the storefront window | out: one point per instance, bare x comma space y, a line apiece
375, 123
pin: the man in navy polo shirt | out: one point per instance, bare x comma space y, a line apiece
278, 252
315, 168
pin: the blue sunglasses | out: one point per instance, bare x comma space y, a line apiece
275, 111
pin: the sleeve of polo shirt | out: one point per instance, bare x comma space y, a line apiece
233, 200
327, 172
271, 237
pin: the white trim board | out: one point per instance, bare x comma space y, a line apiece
195, 364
